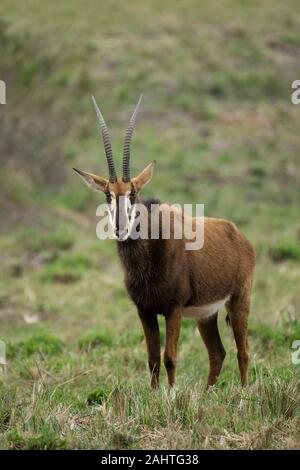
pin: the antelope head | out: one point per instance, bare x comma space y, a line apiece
121, 193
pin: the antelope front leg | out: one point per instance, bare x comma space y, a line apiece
173, 323
151, 331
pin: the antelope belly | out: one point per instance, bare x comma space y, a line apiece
200, 312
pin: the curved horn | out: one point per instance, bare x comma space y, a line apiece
127, 141
107, 144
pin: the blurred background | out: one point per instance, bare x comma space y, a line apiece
216, 115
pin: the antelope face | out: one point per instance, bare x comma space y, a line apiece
121, 201
121, 193
121, 198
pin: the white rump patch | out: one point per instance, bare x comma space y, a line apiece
201, 312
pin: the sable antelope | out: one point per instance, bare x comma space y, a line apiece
162, 277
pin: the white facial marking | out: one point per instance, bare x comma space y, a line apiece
126, 212
112, 210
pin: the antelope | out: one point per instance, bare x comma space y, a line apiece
162, 277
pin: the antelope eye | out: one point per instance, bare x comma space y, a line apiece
108, 198
132, 197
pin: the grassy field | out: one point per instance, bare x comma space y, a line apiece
217, 116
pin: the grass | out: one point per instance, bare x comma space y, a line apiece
38, 343
217, 117
95, 340
65, 269
288, 249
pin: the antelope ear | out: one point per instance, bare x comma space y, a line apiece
143, 178
93, 181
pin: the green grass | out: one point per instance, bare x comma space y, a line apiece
38, 343
286, 250
95, 340
65, 269
98, 396
218, 119
48, 440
